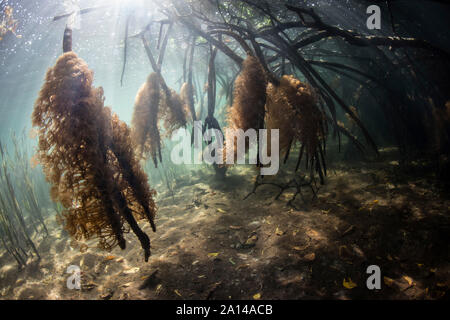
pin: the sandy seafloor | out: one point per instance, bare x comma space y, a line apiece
212, 244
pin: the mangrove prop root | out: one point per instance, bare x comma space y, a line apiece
292, 107
298, 183
172, 111
132, 171
187, 96
87, 156
67, 40
249, 98
155, 101
145, 131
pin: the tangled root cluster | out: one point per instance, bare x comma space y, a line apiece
87, 157
154, 103
292, 107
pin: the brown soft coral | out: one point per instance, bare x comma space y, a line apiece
87, 156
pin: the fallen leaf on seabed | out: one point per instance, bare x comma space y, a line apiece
298, 248
257, 296
388, 281
313, 234
235, 227
177, 293
132, 270
279, 232
245, 265
110, 257
221, 210
348, 284
213, 254
158, 289
126, 285
409, 280
310, 257
251, 242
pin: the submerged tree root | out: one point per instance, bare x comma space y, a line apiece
298, 183
87, 156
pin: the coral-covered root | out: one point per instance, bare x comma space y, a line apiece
279, 115
173, 112
292, 107
155, 101
249, 98
146, 136
132, 172
87, 156
187, 96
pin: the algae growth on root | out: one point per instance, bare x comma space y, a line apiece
87, 157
